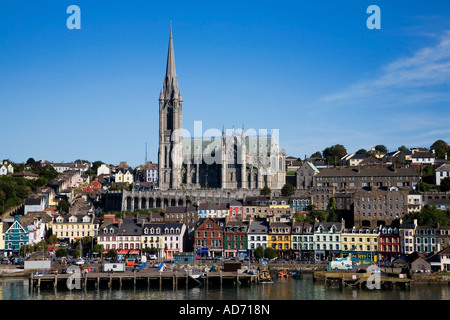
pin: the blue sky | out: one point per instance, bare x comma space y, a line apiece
313, 70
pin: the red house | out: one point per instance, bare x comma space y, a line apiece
389, 243
208, 238
235, 209
95, 185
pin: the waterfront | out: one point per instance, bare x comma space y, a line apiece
281, 289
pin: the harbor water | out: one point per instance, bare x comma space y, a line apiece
280, 289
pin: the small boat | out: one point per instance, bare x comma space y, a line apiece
264, 276
282, 274
79, 262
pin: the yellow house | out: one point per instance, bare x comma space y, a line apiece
360, 244
279, 208
124, 177
280, 237
152, 238
69, 228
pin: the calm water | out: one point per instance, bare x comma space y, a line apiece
281, 289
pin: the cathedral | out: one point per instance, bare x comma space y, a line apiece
235, 160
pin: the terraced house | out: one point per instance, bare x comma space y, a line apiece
280, 238
235, 239
302, 240
389, 246
208, 240
426, 239
327, 240
16, 235
361, 244
258, 231
69, 228
173, 239
153, 238
361, 177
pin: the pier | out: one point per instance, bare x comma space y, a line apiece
362, 280
129, 279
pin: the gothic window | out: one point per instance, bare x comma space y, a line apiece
169, 118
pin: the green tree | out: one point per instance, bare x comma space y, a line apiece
402, 148
258, 252
112, 254
381, 148
428, 174
52, 239
316, 154
61, 252
332, 207
317, 214
287, 190
98, 249
270, 253
430, 215
266, 191
30, 162
440, 148
62, 206
333, 154
445, 184
362, 151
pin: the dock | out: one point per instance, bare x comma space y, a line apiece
363, 280
150, 278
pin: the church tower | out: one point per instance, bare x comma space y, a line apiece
170, 125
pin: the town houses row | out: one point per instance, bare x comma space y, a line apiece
227, 237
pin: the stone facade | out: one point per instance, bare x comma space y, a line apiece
361, 177
154, 199
227, 161
376, 206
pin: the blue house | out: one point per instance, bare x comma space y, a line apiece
16, 236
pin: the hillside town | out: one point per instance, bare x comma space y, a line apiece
364, 207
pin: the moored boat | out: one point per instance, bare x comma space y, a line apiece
264, 276
282, 274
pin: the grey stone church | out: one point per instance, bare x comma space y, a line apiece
227, 161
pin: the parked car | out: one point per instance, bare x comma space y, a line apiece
54, 271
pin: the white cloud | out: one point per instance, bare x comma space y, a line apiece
411, 79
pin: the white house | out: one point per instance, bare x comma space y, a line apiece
3, 170
103, 169
445, 259
442, 172
34, 205
423, 157
173, 238
258, 235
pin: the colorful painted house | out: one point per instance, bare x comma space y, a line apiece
327, 240
302, 240
95, 185
235, 239
236, 208
426, 239
280, 238
360, 244
16, 236
389, 246
208, 238
173, 239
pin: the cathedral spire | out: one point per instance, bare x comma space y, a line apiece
170, 80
